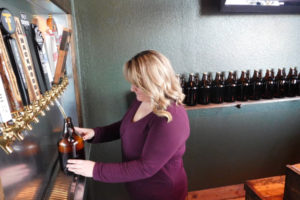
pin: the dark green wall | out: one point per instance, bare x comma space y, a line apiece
227, 145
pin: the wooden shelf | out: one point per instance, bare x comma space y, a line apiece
239, 104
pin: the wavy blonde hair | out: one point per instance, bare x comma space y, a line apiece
152, 72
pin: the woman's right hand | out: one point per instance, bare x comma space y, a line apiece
86, 133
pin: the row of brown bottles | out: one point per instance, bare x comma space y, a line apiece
244, 88
70, 146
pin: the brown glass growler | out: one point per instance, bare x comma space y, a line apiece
291, 83
230, 88
268, 86
71, 146
242, 88
255, 86
279, 85
204, 89
191, 91
217, 89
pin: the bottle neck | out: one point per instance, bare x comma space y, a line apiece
255, 75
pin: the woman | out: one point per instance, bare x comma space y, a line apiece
153, 134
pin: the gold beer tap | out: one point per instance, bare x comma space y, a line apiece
37, 108
48, 98
43, 104
17, 125
20, 124
30, 115
9, 128
6, 140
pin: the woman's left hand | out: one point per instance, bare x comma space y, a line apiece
81, 167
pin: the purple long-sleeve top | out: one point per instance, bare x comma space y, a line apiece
152, 151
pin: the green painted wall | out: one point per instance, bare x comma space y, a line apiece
227, 145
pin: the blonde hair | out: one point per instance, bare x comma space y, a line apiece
152, 72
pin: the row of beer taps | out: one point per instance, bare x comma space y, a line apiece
22, 120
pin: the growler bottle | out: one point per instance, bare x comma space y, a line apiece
255, 86
191, 91
204, 90
217, 95
291, 83
71, 146
268, 86
242, 88
279, 85
230, 88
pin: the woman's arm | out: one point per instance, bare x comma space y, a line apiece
106, 133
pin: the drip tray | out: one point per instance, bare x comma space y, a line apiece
66, 187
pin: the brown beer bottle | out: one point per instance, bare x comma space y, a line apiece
191, 91
242, 88
268, 86
291, 83
71, 146
255, 86
279, 85
230, 88
204, 90
217, 92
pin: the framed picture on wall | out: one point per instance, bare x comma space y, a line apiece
261, 6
